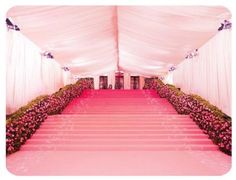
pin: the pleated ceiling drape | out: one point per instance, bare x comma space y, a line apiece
95, 40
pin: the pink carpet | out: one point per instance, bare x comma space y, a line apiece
119, 132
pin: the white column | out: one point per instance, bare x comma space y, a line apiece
126, 81
96, 82
141, 82
111, 79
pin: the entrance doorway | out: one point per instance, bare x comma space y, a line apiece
119, 82
103, 82
134, 82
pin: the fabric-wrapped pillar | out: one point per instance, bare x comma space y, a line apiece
126, 80
96, 82
111, 79
141, 81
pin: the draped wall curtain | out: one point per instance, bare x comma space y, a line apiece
209, 73
28, 73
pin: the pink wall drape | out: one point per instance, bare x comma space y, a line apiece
209, 73
28, 73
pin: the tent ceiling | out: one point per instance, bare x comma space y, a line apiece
94, 40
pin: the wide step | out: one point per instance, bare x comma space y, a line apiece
118, 147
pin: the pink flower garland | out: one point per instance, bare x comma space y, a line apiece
218, 127
21, 128
18, 131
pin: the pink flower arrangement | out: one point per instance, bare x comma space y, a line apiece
165, 91
217, 126
181, 102
21, 129
208, 117
24, 122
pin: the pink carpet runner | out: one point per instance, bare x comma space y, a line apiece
119, 132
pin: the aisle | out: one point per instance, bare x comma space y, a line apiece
119, 132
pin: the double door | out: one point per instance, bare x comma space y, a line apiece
119, 82
103, 82
134, 82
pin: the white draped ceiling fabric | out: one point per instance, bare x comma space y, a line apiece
96, 40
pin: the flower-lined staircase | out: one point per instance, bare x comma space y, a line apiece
119, 132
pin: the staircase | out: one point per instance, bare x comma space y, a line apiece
104, 129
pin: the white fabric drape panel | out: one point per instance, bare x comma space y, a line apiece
67, 78
28, 75
51, 75
209, 73
168, 79
23, 71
